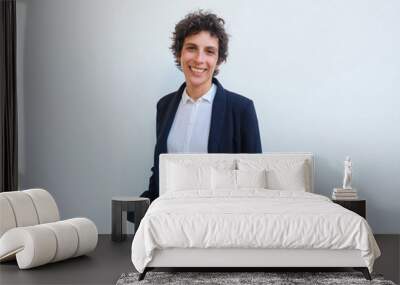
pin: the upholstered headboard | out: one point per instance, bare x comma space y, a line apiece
238, 161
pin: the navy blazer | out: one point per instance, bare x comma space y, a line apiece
234, 127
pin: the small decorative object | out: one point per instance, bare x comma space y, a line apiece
346, 192
347, 173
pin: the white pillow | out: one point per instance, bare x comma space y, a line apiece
251, 178
226, 179
188, 177
282, 174
288, 179
223, 179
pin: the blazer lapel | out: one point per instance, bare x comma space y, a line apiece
170, 115
217, 118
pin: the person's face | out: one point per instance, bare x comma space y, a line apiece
199, 58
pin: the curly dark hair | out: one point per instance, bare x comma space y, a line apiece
195, 23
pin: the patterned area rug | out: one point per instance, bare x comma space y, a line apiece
269, 278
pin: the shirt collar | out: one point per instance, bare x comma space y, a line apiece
208, 97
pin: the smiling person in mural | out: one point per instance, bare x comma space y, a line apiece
202, 116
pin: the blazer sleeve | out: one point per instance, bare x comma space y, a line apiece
250, 133
152, 192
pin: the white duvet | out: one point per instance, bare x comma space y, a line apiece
250, 219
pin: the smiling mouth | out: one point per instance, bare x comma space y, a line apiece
197, 69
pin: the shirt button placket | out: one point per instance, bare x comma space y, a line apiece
193, 115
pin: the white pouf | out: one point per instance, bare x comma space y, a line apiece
31, 232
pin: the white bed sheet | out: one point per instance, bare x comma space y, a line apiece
250, 218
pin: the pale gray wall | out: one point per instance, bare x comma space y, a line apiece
324, 75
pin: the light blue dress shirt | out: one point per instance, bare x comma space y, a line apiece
191, 127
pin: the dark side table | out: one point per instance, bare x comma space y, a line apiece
120, 206
357, 206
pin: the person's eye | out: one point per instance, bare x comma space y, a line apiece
211, 52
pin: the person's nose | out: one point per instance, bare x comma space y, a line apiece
200, 57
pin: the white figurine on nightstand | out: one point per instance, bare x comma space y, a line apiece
346, 192
347, 173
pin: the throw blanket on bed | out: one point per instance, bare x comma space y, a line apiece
250, 219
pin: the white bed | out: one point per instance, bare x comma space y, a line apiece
218, 210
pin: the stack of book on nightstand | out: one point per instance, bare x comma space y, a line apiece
344, 194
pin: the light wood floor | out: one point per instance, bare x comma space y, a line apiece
111, 259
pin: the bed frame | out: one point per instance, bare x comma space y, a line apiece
245, 259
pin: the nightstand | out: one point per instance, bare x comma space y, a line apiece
120, 207
357, 206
